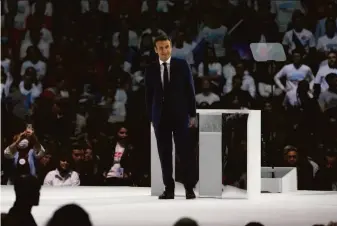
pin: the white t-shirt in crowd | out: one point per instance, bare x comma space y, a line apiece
209, 99
162, 6
305, 36
6, 64
321, 74
103, 6
185, 53
40, 67
22, 13
284, 10
43, 47
133, 39
114, 171
325, 44
248, 83
53, 178
48, 11
327, 100
291, 98
46, 36
215, 38
294, 76
213, 69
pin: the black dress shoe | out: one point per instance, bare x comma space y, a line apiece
190, 194
167, 195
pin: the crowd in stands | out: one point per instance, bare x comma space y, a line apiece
72, 84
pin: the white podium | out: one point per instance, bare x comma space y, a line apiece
210, 154
285, 179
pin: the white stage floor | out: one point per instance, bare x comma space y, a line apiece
134, 206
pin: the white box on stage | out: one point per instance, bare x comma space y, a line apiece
210, 154
284, 179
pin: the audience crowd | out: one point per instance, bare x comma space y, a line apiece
72, 84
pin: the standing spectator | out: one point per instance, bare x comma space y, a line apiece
330, 14
294, 73
321, 84
23, 152
328, 42
34, 60
62, 175
328, 99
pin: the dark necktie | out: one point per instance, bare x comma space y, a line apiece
166, 77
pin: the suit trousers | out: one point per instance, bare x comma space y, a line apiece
183, 148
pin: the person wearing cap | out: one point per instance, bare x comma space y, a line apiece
24, 151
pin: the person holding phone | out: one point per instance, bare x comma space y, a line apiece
24, 151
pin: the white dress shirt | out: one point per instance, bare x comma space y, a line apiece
168, 64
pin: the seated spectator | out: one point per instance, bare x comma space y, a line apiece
116, 109
210, 68
236, 98
206, 96
37, 27
182, 50
328, 42
321, 84
45, 164
24, 151
90, 174
330, 14
70, 215
77, 157
299, 37
153, 30
33, 59
305, 176
27, 192
132, 38
36, 41
213, 33
86, 6
6, 82
328, 99
63, 175
294, 73
23, 97
119, 164
247, 81
326, 177
44, 6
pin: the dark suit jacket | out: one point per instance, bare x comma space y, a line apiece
181, 92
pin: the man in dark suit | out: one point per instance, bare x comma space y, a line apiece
171, 107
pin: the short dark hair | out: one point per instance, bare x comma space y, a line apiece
329, 77
161, 38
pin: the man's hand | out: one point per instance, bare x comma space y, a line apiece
193, 122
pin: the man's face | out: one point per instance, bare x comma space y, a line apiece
77, 155
297, 58
332, 58
292, 158
330, 161
163, 49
